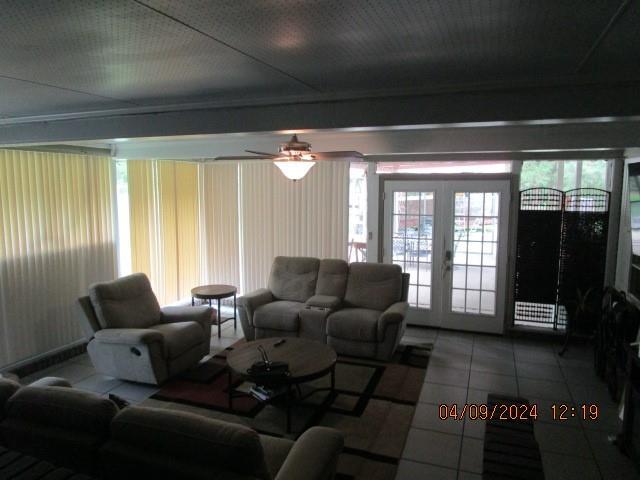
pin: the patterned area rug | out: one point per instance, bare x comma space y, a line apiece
373, 406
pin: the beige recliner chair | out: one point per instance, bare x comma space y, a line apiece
132, 338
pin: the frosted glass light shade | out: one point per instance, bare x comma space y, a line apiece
295, 169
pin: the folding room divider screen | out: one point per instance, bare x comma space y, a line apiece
560, 253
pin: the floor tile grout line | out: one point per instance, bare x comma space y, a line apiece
464, 421
430, 464
415, 427
582, 427
581, 423
515, 365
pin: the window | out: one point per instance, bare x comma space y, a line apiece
124, 234
595, 174
434, 167
565, 175
357, 212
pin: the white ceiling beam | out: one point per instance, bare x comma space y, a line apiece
443, 140
506, 105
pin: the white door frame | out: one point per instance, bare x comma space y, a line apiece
440, 314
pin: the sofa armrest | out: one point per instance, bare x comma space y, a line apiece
128, 336
393, 315
51, 382
314, 456
201, 314
247, 305
324, 301
251, 301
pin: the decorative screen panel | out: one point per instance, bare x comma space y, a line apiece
561, 249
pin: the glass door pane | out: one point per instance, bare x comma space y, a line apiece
475, 247
412, 242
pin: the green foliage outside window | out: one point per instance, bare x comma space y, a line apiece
539, 174
545, 174
594, 174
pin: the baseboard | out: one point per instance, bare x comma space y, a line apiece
45, 360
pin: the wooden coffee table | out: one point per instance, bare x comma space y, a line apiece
216, 292
308, 360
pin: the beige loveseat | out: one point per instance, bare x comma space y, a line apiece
87, 433
358, 309
132, 338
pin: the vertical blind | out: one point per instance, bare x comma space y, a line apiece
189, 224
57, 238
164, 226
220, 224
196, 224
281, 217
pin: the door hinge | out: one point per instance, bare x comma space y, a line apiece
384, 196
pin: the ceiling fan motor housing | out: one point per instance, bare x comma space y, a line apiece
295, 147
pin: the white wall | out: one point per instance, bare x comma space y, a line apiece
373, 215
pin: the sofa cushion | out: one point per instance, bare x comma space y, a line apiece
179, 337
359, 324
293, 278
7, 389
62, 407
276, 451
280, 315
186, 439
373, 285
324, 301
127, 302
332, 277
58, 424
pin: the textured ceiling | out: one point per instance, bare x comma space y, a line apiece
69, 56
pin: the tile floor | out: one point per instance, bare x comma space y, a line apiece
463, 369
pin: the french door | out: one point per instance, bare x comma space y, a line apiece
451, 237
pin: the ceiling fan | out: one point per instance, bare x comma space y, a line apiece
295, 158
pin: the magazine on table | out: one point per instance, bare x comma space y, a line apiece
264, 394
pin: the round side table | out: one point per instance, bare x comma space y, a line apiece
307, 359
216, 292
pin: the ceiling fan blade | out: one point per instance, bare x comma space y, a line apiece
245, 157
339, 155
269, 155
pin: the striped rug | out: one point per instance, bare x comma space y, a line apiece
373, 405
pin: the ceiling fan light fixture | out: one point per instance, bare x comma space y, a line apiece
294, 169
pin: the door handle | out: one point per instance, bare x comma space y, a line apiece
446, 262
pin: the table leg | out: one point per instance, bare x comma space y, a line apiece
230, 389
235, 315
333, 379
193, 302
219, 319
289, 408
